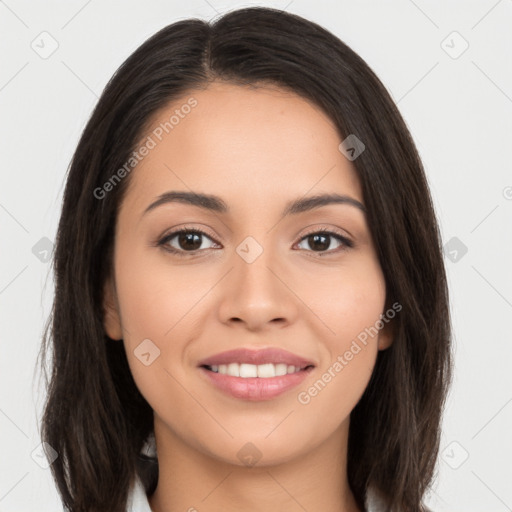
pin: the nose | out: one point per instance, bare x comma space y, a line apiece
258, 295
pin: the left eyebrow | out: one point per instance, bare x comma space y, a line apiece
216, 204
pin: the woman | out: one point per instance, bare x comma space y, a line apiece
251, 308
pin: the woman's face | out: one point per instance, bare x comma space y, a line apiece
256, 279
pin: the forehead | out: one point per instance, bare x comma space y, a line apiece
265, 143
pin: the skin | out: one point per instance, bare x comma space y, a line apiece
256, 148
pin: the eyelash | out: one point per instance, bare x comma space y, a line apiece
347, 244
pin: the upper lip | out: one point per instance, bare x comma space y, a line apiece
256, 357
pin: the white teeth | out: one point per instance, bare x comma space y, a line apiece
263, 371
246, 370
281, 369
234, 369
266, 370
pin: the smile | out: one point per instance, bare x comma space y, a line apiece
253, 387
262, 371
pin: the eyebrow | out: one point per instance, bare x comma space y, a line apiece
216, 204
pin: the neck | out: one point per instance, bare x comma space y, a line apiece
192, 480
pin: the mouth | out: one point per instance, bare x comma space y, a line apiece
255, 375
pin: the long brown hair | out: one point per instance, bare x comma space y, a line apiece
95, 417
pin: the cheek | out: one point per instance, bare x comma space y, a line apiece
348, 305
323, 407
344, 301
351, 308
155, 296
165, 303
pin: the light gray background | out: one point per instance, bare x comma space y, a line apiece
458, 108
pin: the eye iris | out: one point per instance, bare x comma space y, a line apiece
191, 241
317, 241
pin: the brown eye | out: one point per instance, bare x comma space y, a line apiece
185, 240
189, 241
322, 241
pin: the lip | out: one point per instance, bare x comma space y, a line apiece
255, 388
261, 356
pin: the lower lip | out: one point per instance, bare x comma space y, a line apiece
255, 388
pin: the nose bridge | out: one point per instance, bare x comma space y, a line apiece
253, 293
254, 259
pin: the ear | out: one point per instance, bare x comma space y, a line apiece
386, 335
111, 317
